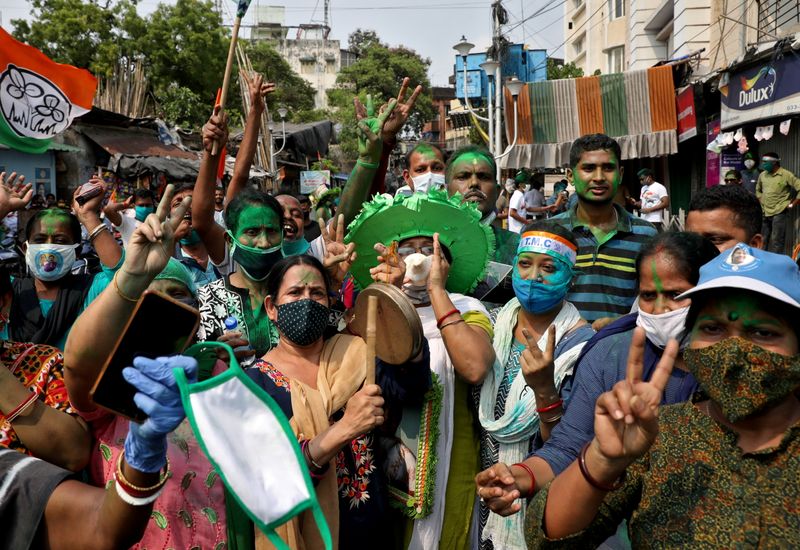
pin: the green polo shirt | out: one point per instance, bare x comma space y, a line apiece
774, 190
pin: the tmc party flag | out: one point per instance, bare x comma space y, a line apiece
39, 98
242, 9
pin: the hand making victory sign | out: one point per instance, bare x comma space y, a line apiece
338, 256
398, 118
370, 128
626, 418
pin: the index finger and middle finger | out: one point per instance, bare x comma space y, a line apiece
633, 371
665, 364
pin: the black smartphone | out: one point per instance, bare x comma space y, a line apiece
88, 192
159, 326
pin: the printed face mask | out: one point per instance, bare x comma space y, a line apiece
741, 377
255, 262
143, 211
302, 322
215, 408
663, 327
50, 262
428, 180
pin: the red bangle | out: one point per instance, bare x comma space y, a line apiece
527, 468
19, 409
605, 487
551, 407
445, 316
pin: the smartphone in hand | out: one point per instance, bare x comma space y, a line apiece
159, 326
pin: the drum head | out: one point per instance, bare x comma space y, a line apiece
399, 330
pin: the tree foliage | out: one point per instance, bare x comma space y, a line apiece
379, 72
183, 46
557, 71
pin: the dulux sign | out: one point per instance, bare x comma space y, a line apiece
761, 92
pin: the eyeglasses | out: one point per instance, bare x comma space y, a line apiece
405, 251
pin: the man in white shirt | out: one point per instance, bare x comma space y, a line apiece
516, 205
653, 199
128, 215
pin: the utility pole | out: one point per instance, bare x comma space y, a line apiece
327, 18
498, 84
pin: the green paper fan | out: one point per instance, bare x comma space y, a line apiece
386, 219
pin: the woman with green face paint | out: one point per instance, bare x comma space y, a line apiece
254, 220
721, 471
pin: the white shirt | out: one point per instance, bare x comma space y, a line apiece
534, 199
651, 195
517, 203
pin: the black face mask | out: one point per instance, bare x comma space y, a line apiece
255, 262
302, 322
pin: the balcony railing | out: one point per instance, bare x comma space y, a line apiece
777, 18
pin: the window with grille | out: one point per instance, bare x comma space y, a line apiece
777, 18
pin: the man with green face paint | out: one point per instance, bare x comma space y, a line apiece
774, 190
609, 238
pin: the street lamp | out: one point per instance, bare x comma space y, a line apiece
282, 112
490, 67
514, 86
463, 48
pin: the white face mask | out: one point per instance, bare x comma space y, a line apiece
749, 163
50, 262
428, 180
418, 267
527, 188
215, 408
510, 186
663, 327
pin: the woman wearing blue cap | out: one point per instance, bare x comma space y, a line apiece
719, 472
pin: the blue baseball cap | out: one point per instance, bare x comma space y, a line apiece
767, 273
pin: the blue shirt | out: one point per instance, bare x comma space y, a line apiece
607, 281
603, 363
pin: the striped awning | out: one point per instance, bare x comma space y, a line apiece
637, 108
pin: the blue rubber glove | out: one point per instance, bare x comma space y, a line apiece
160, 398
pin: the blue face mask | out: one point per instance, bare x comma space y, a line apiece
539, 297
143, 211
295, 248
191, 239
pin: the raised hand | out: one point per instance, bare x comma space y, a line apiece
215, 130
15, 194
399, 117
153, 242
257, 89
370, 145
498, 489
626, 418
391, 268
338, 256
91, 207
439, 267
538, 366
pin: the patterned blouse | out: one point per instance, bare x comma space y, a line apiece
696, 489
40, 369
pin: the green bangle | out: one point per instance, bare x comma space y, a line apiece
373, 165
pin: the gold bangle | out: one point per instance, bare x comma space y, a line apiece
119, 292
162, 479
453, 322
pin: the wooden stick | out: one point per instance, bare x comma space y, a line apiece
372, 335
227, 80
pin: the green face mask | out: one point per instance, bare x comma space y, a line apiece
741, 377
255, 262
767, 166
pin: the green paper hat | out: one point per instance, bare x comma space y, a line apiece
386, 219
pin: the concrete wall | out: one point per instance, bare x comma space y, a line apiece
37, 169
316, 61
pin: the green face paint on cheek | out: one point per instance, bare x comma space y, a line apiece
256, 217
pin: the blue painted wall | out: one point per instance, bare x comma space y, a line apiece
37, 169
527, 65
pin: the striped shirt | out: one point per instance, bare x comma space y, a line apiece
606, 282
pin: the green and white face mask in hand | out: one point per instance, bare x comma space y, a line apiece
241, 452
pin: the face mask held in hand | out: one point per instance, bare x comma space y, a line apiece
50, 262
741, 377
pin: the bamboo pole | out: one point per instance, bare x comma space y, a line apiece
226, 81
372, 336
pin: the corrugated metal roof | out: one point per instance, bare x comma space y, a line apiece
133, 141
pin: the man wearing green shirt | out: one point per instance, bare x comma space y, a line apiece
774, 191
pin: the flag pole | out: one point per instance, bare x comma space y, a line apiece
227, 80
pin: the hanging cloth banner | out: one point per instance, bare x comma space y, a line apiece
39, 98
242, 431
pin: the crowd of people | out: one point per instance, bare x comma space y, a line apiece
588, 376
